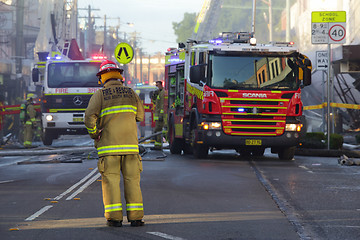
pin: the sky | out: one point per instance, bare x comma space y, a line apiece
152, 19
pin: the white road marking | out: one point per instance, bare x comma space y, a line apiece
44, 209
303, 167
93, 179
7, 181
308, 170
38, 213
75, 185
166, 236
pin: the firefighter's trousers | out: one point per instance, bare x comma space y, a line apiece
28, 133
130, 166
158, 139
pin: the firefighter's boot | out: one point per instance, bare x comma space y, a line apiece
137, 223
113, 223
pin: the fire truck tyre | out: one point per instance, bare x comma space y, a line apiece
258, 152
287, 153
199, 150
176, 144
48, 137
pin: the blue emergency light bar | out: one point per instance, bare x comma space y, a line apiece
216, 41
56, 57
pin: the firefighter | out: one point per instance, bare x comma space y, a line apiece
110, 119
158, 99
30, 120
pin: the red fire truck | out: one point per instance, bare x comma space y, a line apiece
232, 93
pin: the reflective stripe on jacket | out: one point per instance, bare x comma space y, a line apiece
114, 109
159, 106
30, 113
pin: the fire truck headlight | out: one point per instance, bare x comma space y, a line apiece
293, 127
49, 118
253, 41
215, 125
211, 125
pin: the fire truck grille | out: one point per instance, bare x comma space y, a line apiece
254, 117
66, 103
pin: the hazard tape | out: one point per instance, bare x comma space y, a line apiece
338, 105
15, 109
345, 105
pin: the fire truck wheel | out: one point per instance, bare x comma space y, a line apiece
47, 138
199, 150
176, 144
287, 153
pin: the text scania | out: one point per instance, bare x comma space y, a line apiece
254, 95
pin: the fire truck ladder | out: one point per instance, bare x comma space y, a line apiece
206, 27
66, 48
69, 27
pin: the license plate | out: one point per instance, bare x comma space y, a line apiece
253, 142
78, 119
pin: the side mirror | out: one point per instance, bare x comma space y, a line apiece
197, 73
307, 72
35, 74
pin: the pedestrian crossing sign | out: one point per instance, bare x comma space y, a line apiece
124, 53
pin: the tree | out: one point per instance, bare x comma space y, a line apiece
184, 29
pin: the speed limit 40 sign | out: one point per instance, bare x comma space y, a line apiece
337, 32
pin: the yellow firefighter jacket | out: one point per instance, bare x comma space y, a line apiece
112, 113
30, 114
159, 106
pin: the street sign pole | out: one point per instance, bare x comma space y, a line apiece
328, 27
328, 97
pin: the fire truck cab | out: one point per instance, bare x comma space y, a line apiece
67, 86
232, 93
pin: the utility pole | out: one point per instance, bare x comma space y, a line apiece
107, 46
287, 20
19, 52
253, 19
141, 66
90, 32
104, 44
149, 65
135, 56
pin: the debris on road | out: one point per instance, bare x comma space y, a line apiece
344, 160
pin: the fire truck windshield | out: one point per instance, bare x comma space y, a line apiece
70, 74
252, 72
